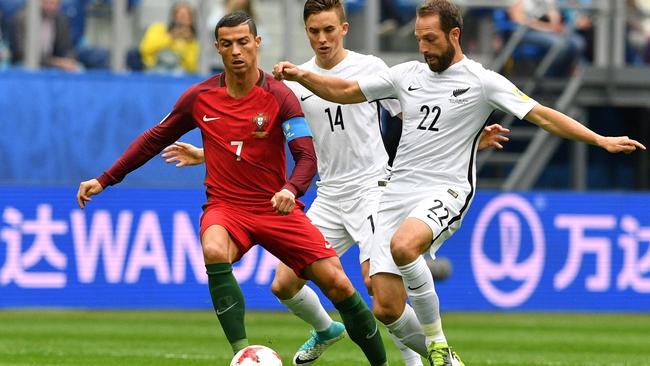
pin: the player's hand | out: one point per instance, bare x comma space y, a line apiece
183, 154
66, 63
285, 70
492, 137
619, 144
283, 202
87, 189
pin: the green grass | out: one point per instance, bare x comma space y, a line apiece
97, 338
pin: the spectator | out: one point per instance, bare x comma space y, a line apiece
581, 21
643, 7
56, 47
230, 6
395, 14
5, 53
546, 29
172, 47
638, 22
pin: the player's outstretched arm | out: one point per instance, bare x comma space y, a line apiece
183, 154
492, 137
330, 88
564, 126
86, 190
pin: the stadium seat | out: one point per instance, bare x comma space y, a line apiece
353, 6
134, 60
90, 57
505, 27
130, 4
9, 8
75, 11
408, 6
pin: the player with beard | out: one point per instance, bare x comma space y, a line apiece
445, 103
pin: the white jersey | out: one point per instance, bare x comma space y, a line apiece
443, 117
347, 138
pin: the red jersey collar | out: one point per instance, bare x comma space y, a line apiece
260, 81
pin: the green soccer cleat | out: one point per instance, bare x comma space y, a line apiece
309, 352
440, 354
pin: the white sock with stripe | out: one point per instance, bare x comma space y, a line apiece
408, 331
424, 299
306, 305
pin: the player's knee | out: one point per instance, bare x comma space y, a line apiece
401, 249
385, 311
278, 289
282, 289
214, 252
338, 288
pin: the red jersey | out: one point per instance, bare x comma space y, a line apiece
243, 141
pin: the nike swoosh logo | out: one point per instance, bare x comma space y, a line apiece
309, 360
221, 311
300, 362
368, 336
208, 119
302, 99
328, 245
411, 88
415, 288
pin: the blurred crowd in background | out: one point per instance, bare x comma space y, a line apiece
172, 45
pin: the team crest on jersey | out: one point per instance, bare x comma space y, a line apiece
260, 120
455, 96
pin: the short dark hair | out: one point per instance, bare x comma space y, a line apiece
449, 14
234, 19
318, 6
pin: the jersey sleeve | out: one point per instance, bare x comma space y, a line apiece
151, 142
391, 105
290, 107
378, 86
304, 157
504, 95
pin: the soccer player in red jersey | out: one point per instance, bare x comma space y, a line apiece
245, 116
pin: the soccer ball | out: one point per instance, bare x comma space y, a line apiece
256, 356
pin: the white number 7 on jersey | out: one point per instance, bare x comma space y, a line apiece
239, 145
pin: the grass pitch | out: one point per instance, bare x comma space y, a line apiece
128, 338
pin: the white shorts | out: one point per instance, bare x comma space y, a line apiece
441, 210
345, 222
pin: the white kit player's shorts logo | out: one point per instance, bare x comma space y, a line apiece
509, 275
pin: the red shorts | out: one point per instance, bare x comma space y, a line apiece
293, 239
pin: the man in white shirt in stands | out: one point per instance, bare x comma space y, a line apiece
445, 104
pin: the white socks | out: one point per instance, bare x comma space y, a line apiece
408, 331
410, 357
422, 294
307, 307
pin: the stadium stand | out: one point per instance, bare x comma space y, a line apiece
75, 11
523, 52
617, 86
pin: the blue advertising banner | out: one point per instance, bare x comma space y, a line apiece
139, 248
